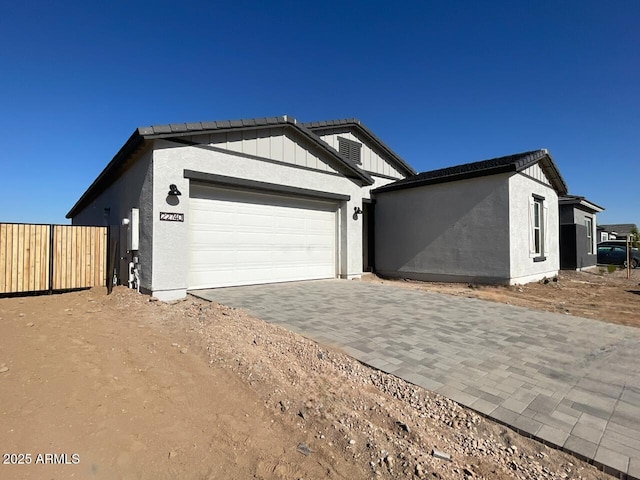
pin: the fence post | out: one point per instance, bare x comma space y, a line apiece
51, 228
628, 257
111, 264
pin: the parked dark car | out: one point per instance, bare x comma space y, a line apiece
615, 253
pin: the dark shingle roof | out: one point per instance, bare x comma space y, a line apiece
318, 127
174, 130
573, 200
619, 228
157, 131
511, 163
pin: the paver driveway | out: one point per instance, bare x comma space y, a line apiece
572, 382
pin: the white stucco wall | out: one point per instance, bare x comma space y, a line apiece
171, 240
455, 231
133, 189
523, 267
378, 182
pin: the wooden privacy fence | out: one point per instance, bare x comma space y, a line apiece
24, 257
51, 257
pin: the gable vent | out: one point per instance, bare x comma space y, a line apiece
350, 150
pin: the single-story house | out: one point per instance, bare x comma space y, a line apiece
493, 221
604, 235
618, 231
226, 203
214, 204
578, 229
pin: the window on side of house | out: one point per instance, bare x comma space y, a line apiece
537, 226
589, 224
350, 150
538, 219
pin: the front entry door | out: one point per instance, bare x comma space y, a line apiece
367, 237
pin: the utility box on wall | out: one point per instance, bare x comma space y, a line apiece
133, 232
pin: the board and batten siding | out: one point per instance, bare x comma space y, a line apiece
371, 161
535, 171
270, 143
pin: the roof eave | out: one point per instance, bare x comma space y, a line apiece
445, 179
142, 134
283, 121
583, 202
130, 146
355, 123
592, 206
359, 173
550, 169
408, 169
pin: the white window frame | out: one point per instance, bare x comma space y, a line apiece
538, 228
588, 222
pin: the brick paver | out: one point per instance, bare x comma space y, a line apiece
571, 382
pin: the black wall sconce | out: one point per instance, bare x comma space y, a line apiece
356, 211
173, 190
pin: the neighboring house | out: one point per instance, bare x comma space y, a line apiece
578, 232
225, 203
619, 231
603, 235
494, 221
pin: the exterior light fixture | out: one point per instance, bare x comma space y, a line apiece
173, 190
356, 211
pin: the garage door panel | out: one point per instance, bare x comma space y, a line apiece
241, 238
319, 224
252, 220
252, 200
244, 240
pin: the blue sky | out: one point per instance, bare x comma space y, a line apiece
441, 83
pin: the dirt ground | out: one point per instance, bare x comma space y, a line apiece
123, 387
595, 293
